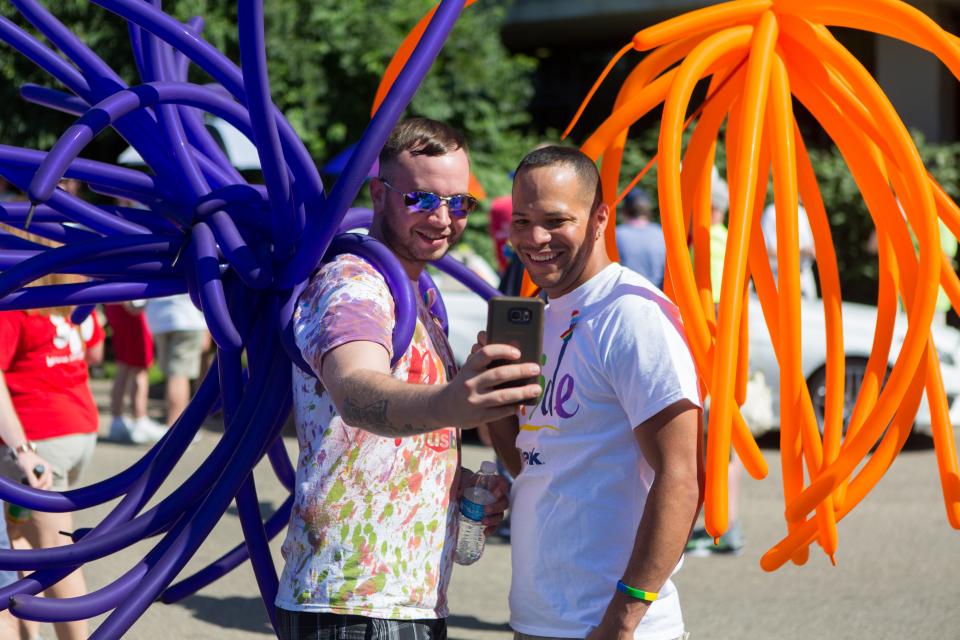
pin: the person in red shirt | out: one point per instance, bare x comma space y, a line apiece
48, 422
500, 210
133, 352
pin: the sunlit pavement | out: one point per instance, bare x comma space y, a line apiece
898, 574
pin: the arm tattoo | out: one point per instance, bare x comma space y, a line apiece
373, 418
373, 414
366, 408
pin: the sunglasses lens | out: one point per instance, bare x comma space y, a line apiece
422, 200
462, 205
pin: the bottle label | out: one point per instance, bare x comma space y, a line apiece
17, 514
471, 509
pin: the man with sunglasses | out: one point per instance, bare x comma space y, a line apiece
373, 529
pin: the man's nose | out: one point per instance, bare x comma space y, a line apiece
441, 215
539, 235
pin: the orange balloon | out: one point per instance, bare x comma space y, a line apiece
759, 55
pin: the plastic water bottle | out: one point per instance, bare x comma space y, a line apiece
16, 514
478, 495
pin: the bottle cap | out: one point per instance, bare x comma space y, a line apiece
488, 468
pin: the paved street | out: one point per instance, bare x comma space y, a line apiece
898, 574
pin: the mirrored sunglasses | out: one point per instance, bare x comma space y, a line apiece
426, 201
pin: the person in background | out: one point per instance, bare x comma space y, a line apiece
808, 281
731, 542
133, 352
71, 186
948, 244
640, 240
500, 209
180, 337
6, 194
12, 432
48, 421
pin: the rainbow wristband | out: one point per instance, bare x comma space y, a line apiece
647, 596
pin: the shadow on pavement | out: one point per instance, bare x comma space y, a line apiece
916, 441
232, 612
267, 509
470, 622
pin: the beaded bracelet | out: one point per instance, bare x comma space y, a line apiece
647, 596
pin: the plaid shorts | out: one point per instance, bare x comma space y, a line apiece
305, 625
523, 636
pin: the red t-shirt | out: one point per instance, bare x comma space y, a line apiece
42, 359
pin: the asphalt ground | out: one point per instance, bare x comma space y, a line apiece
898, 573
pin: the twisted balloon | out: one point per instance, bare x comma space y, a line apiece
242, 251
760, 56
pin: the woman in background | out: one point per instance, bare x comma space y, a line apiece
48, 422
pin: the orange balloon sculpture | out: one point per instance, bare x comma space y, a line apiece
760, 56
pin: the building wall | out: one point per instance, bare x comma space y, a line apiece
919, 86
575, 38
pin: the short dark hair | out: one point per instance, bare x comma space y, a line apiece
421, 136
580, 162
637, 204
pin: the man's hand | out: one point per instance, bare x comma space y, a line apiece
492, 513
472, 398
621, 618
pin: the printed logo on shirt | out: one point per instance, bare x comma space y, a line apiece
440, 441
557, 396
67, 337
532, 457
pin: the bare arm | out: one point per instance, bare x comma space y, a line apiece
504, 435
357, 375
669, 442
11, 431
94, 354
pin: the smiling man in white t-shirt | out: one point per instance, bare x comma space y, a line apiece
608, 483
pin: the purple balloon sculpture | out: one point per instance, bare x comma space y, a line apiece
242, 251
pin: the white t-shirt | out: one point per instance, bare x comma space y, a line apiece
577, 503
768, 223
174, 313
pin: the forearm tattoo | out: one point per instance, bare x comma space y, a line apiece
373, 414
367, 408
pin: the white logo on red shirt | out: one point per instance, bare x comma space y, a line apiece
67, 337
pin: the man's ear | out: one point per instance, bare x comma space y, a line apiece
378, 194
603, 216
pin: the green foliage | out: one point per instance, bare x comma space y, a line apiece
24, 124
850, 221
325, 60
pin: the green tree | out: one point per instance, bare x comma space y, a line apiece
325, 60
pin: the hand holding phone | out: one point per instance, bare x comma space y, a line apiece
517, 322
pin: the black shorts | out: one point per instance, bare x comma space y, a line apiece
305, 625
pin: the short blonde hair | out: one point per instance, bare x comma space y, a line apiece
50, 278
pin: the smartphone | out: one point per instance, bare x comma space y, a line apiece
517, 322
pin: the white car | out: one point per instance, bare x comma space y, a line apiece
467, 314
859, 322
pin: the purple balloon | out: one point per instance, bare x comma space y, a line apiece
205, 231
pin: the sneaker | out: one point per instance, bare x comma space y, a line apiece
120, 430
701, 545
146, 430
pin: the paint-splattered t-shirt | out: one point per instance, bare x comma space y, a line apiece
374, 522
